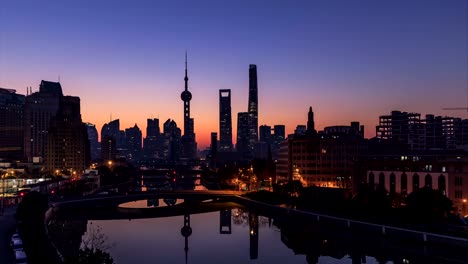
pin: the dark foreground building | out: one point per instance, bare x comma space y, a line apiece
11, 124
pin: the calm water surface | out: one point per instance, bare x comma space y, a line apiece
159, 240
226, 233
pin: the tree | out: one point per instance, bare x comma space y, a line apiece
89, 255
293, 190
106, 175
426, 205
32, 207
371, 202
94, 246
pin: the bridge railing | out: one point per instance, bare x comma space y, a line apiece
386, 230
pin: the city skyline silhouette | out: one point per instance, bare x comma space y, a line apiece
349, 61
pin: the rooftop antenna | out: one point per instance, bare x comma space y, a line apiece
466, 55
59, 78
110, 117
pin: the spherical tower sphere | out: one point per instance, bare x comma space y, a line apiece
186, 231
186, 96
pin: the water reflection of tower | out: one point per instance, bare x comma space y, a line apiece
253, 232
225, 221
186, 231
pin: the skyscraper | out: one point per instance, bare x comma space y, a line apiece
151, 141
265, 134
152, 128
11, 124
225, 121
108, 148
253, 107
171, 142
243, 136
39, 108
93, 141
112, 130
67, 139
189, 145
133, 141
213, 149
278, 137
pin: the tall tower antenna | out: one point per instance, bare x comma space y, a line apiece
186, 76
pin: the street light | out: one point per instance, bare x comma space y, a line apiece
3, 192
464, 207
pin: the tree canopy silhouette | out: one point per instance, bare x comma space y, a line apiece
426, 204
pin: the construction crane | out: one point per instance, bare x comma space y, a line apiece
456, 108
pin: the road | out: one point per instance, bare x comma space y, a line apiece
7, 228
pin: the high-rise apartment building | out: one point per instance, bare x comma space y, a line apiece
39, 109
414, 133
402, 127
225, 120
11, 124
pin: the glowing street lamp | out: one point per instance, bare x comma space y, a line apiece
464, 207
3, 192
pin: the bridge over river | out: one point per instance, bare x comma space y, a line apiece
107, 206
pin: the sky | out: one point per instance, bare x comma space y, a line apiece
349, 60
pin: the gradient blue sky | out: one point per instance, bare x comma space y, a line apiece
349, 60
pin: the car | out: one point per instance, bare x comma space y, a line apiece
17, 244
15, 236
20, 257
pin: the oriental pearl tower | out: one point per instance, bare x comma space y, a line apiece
189, 145
186, 96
